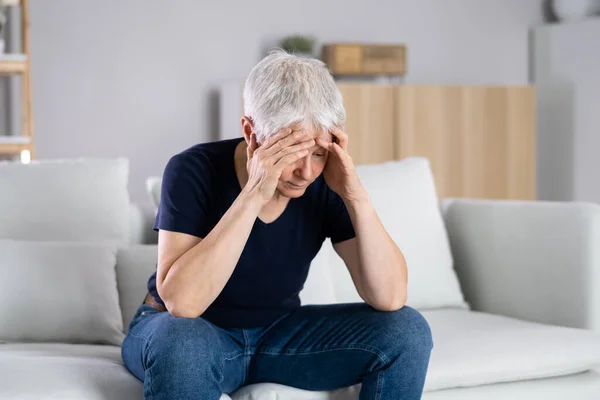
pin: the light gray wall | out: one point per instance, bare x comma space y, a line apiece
138, 78
566, 64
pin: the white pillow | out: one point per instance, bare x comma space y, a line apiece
153, 186
403, 194
59, 292
70, 200
318, 288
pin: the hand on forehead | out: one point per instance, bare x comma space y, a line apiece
312, 133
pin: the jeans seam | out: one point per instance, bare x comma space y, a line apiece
232, 357
382, 357
222, 366
246, 352
150, 383
146, 369
379, 385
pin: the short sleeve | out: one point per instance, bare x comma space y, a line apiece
185, 196
338, 223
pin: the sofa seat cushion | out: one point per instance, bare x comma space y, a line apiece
273, 391
65, 371
584, 385
473, 348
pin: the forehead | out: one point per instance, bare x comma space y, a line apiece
313, 133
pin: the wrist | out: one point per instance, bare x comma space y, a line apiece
358, 200
251, 201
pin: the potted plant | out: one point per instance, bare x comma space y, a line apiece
299, 45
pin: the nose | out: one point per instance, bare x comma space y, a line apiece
304, 169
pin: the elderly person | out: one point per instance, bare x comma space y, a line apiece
239, 223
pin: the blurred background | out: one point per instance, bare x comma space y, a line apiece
503, 96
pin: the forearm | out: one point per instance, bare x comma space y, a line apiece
383, 272
196, 279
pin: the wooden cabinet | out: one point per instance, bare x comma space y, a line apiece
370, 122
480, 140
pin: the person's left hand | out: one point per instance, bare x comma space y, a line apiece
339, 173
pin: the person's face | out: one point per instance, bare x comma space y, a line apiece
295, 178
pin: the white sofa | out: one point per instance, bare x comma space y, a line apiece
513, 307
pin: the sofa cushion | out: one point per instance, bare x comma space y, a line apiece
585, 385
403, 194
54, 371
135, 264
70, 200
273, 391
59, 292
473, 348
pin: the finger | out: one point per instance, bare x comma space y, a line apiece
332, 148
306, 145
325, 144
341, 136
290, 159
282, 133
287, 141
338, 150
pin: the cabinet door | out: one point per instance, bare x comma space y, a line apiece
370, 121
480, 140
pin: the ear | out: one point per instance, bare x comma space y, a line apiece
247, 129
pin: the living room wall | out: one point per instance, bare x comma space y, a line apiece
139, 78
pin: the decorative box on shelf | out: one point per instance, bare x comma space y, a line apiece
365, 59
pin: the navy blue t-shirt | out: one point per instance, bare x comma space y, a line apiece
200, 184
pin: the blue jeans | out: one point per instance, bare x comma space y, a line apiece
313, 348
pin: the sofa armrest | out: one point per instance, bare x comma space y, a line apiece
141, 220
538, 261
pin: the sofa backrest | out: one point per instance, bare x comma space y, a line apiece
65, 200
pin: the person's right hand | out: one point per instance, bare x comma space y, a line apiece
266, 163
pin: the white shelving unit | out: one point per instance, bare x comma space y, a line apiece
566, 72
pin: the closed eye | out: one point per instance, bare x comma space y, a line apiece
319, 154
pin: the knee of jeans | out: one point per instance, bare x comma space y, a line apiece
176, 339
407, 330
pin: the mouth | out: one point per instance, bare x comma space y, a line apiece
294, 186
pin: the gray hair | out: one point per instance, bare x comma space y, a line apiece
283, 90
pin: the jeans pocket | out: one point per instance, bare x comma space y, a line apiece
144, 311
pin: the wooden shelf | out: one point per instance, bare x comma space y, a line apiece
13, 63
14, 144
14, 140
14, 148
